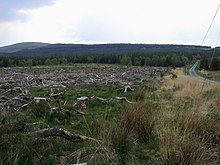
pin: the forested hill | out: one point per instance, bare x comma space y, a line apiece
125, 54
98, 49
20, 46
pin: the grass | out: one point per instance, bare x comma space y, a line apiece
210, 75
185, 130
175, 121
138, 119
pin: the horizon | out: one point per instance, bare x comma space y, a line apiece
105, 44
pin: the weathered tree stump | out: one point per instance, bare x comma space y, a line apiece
82, 102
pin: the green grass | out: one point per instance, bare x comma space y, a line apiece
26, 150
157, 129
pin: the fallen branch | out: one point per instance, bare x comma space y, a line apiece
101, 99
38, 99
56, 94
59, 85
85, 98
61, 110
25, 105
59, 132
17, 99
124, 99
13, 90
36, 123
47, 132
108, 81
80, 112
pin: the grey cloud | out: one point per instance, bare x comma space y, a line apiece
93, 29
97, 30
9, 8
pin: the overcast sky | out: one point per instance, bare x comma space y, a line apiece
109, 21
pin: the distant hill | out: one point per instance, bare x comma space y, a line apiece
20, 46
99, 49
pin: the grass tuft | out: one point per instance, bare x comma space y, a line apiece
139, 119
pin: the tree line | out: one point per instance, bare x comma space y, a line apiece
164, 59
211, 61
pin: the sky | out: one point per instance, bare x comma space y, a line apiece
109, 21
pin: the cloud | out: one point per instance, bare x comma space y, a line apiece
108, 21
144, 21
9, 8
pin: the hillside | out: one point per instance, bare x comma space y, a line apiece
20, 46
80, 49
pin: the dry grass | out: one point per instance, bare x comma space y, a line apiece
187, 141
183, 85
211, 73
188, 125
186, 87
185, 138
139, 95
139, 119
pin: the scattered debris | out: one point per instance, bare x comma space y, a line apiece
15, 83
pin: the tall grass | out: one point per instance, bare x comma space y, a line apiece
138, 118
186, 126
